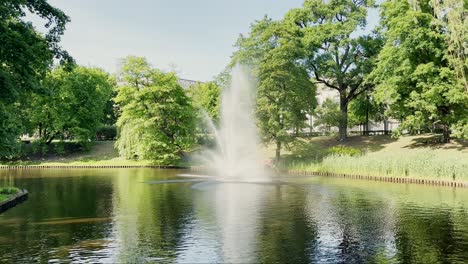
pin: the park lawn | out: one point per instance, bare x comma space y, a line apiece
7, 192
409, 156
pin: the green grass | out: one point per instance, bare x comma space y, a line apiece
410, 156
7, 192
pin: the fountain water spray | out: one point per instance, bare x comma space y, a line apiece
236, 156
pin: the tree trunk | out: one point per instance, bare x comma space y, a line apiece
343, 127
278, 152
446, 134
50, 139
367, 117
385, 123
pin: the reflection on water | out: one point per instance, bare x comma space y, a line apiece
119, 216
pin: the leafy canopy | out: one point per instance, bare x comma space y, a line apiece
25, 58
157, 120
285, 93
414, 74
334, 56
71, 104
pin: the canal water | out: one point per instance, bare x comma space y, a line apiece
149, 215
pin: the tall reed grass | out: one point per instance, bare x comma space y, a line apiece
414, 163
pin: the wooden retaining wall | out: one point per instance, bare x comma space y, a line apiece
382, 178
22, 167
203, 169
20, 197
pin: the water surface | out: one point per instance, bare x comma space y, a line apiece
127, 215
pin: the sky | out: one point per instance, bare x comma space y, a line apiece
195, 38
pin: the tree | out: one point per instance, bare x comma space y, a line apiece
414, 74
157, 120
285, 93
328, 114
71, 104
452, 15
25, 58
207, 98
365, 109
334, 57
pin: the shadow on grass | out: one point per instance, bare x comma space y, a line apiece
314, 150
434, 141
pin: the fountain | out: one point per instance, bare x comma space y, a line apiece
236, 156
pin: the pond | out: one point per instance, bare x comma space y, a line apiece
126, 215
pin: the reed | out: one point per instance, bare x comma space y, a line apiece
415, 164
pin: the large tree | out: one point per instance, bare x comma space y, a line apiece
71, 104
414, 73
207, 98
285, 94
335, 57
25, 58
157, 120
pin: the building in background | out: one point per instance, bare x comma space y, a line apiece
324, 93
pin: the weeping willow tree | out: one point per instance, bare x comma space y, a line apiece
416, 73
452, 14
157, 120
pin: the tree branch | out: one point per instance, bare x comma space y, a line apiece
320, 80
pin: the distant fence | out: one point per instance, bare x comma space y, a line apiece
363, 133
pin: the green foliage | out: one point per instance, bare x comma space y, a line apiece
285, 93
25, 58
60, 148
157, 120
416, 164
344, 151
106, 132
336, 59
111, 110
328, 114
10, 128
414, 75
451, 14
71, 104
26, 55
207, 98
9, 190
365, 109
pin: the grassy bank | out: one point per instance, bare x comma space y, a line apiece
409, 156
101, 153
7, 192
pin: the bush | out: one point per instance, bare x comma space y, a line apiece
60, 148
8, 190
106, 132
206, 140
344, 151
39, 147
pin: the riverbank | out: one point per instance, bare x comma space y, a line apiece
415, 157
10, 197
409, 157
102, 153
7, 192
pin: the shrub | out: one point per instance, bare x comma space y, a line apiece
8, 190
344, 151
206, 140
106, 132
60, 148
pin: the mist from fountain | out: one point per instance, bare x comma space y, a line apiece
236, 156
